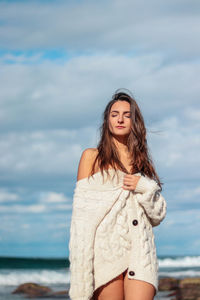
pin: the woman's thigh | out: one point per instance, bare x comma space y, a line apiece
113, 290
137, 289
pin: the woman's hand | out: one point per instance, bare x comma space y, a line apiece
130, 182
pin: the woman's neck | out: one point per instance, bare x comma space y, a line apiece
121, 144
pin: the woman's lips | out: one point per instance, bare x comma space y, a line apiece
120, 127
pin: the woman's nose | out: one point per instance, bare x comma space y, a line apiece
120, 119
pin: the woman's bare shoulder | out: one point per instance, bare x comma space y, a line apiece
86, 162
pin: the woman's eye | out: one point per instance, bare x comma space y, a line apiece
113, 115
128, 116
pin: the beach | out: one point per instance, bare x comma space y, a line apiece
54, 273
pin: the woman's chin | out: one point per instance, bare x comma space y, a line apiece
120, 134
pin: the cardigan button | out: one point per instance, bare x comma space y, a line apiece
135, 222
131, 273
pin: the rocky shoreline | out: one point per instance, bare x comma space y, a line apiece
179, 289
34, 290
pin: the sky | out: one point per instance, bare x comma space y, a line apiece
60, 63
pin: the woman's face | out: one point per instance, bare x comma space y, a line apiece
120, 118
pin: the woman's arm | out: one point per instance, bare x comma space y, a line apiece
150, 198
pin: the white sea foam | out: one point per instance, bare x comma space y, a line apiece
186, 261
178, 274
16, 277
168, 267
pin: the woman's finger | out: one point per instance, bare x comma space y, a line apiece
129, 180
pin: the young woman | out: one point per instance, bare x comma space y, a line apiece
113, 221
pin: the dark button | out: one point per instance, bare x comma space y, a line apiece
131, 273
135, 222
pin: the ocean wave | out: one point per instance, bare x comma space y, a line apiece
186, 261
168, 266
180, 274
16, 277
48, 277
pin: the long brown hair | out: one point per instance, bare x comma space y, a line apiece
108, 155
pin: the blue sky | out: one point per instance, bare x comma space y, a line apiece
60, 63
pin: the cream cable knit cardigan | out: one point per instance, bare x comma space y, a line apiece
93, 199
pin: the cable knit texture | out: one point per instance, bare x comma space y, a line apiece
111, 230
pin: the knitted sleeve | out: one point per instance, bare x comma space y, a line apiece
80, 252
149, 197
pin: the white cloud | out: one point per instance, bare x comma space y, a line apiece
192, 114
176, 149
8, 196
53, 197
50, 95
26, 226
35, 208
43, 153
170, 26
187, 193
64, 206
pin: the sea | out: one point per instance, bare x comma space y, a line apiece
54, 273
